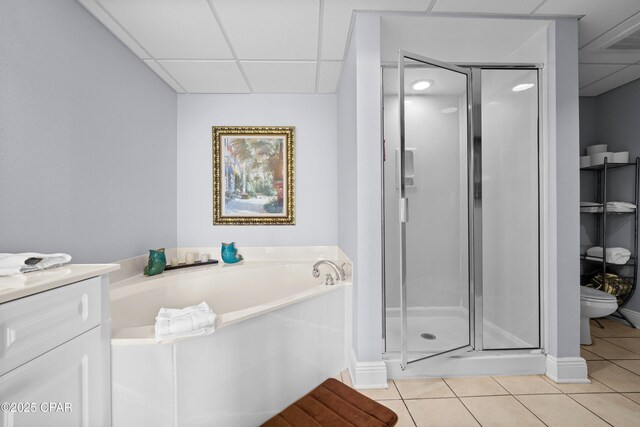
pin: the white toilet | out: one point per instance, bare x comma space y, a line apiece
593, 303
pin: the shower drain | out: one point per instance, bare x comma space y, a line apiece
427, 336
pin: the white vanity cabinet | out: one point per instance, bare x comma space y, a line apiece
55, 357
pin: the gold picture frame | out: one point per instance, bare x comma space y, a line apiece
253, 175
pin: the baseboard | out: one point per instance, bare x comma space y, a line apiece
632, 315
567, 370
365, 375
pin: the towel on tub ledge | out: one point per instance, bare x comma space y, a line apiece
173, 324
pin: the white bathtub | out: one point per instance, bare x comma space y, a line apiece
280, 332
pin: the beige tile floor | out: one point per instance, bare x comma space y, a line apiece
612, 398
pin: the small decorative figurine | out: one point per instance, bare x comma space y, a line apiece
229, 253
157, 262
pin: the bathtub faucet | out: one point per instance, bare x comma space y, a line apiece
340, 274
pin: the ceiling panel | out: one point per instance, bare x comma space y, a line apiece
93, 7
336, 19
624, 76
598, 50
600, 16
599, 57
170, 29
164, 75
329, 74
271, 29
424, 36
486, 6
281, 77
207, 76
589, 73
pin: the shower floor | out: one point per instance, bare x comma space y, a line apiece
450, 325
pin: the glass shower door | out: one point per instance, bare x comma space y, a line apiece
435, 208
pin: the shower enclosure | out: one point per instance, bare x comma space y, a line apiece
461, 209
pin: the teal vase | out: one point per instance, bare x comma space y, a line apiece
229, 253
157, 262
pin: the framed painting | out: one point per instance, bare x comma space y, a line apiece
253, 175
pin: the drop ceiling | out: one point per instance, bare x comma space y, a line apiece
297, 46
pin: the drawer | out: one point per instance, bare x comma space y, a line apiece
33, 325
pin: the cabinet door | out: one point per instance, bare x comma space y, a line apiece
36, 324
62, 386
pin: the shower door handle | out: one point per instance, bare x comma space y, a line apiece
404, 209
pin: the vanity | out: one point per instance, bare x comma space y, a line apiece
55, 348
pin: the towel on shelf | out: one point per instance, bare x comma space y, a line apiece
614, 255
592, 207
11, 264
620, 207
192, 321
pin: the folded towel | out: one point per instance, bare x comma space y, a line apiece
592, 207
173, 324
620, 207
11, 264
614, 255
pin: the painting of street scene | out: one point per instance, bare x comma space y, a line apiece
254, 169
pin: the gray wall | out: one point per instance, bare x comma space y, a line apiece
612, 118
316, 177
87, 138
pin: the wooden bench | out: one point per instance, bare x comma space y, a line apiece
333, 404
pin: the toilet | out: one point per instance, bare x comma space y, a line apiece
593, 303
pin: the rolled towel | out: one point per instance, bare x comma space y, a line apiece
172, 324
11, 264
614, 255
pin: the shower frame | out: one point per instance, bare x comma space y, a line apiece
474, 128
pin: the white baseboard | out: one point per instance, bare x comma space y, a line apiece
632, 315
567, 370
365, 375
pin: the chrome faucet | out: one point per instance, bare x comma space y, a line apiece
340, 274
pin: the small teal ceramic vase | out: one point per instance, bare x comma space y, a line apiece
157, 262
229, 253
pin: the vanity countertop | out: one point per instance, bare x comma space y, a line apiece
23, 285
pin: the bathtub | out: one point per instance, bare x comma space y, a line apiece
279, 333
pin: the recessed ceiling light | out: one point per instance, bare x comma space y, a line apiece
420, 84
523, 86
450, 110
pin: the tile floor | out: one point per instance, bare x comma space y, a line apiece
612, 398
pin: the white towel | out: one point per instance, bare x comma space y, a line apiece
173, 324
591, 207
11, 264
620, 207
614, 255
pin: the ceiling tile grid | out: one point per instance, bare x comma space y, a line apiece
281, 76
170, 29
296, 46
590, 73
271, 30
206, 76
486, 6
